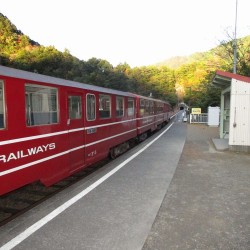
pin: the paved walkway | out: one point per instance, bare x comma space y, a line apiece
207, 205
113, 209
179, 193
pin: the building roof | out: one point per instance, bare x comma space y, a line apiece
223, 79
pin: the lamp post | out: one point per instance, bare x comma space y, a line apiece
235, 40
190, 93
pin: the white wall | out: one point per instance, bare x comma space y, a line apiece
240, 113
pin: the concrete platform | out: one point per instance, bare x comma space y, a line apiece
178, 193
113, 209
207, 205
220, 144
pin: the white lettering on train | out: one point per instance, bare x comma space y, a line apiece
25, 153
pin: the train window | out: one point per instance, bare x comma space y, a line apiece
41, 105
75, 107
142, 106
131, 107
146, 110
119, 106
159, 108
91, 107
151, 107
104, 106
2, 105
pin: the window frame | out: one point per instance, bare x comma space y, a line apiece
28, 117
159, 107
101, 105
119, 112
87, 105
146, 108
142, 107
3, 104
151, 107
71, 108
133, 108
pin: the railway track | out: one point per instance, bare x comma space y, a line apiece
20, 201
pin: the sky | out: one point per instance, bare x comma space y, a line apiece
137, 32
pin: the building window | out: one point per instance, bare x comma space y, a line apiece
119, 106
2, 106
75, 107
91, 107
104, 106
41, 105
131, 107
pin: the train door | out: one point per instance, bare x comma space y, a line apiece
76, 130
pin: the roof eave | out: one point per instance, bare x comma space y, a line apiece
221, 81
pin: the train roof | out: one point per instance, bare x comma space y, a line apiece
30, 76
152, 99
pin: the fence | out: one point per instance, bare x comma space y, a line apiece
198, 118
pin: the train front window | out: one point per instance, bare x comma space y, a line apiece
41, 105
104, 106
2, 105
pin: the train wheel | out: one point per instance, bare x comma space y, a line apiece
118, 150
143, 137
113, 153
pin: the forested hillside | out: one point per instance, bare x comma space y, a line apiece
185, 79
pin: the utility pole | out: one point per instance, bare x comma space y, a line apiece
235, 40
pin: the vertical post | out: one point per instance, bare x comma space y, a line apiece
190, 93
222, 103
235, 40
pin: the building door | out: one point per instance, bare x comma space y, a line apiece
226, 115
76, 131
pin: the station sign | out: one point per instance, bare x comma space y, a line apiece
196, 111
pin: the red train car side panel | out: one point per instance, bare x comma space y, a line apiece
49, 129
43, 136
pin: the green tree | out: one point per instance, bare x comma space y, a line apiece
226, 52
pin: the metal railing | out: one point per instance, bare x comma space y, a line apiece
198, 118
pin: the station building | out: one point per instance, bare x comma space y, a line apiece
235, 109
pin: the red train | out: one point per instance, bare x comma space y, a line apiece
51, 128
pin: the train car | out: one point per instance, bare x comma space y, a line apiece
51, 128
152, 114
